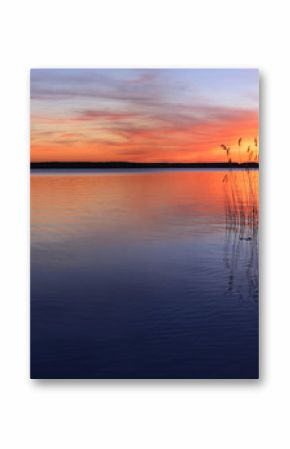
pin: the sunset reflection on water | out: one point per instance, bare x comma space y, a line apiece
147, 273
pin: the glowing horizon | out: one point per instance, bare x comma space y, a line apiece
154, 115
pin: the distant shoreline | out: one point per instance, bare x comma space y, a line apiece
132, 165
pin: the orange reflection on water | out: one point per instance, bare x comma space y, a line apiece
130, 202
88, 212
112, 203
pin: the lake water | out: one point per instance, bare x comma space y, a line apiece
144, 274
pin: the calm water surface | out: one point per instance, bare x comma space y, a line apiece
144, 274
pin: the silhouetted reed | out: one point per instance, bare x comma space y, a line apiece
242, 221
246, 153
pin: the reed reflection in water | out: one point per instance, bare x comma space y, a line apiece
242, 221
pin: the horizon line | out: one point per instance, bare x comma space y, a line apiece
130, 163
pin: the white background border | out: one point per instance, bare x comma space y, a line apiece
140, 414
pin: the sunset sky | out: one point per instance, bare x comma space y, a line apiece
178, 115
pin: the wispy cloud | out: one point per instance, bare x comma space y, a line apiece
142, 114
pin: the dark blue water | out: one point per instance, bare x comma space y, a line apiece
143, 275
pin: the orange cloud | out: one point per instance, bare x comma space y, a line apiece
106, 136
